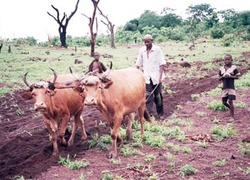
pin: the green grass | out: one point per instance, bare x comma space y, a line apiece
216, 105
73, 165
37, 62
244, 148
221, 132
220, 163
187, 170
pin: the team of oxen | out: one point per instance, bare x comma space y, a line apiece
115, 93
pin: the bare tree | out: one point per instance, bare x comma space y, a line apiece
110, 27
1, 45
91, 24
63, 23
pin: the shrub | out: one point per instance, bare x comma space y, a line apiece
217, 33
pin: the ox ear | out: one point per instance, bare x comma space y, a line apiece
78, 89
27, 95
107, 84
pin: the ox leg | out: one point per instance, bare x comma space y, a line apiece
131, 118
53, 133
78, 121
115, 136
141, 110
64, 125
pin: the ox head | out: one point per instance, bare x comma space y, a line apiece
40, 91
92, 85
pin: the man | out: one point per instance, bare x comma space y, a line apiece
151, 59
227, 74
96, 64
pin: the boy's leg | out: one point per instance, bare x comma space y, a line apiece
231, 108
231, 97
224, 101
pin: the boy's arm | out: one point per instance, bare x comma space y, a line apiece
103, 67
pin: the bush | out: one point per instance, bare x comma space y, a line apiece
217, 33
227, 40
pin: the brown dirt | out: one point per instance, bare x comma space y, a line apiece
25, 149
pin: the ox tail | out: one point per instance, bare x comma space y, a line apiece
147, 116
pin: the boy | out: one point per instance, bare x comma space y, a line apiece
227, 75
96, 64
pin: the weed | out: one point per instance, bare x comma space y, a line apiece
220, 163
217, 106
222, 132
19, 178
19, 112
81, 177
178, 107
186, 150
101, 143
215, 120
138, 166
243, 81
106, 139
153, 177
187, 170
149, 158
106, 175
127, 151
115, 161
244, 148
248, 170
201, 113
202, 144
195, 97
154, 141
74, 165
240, 105
213, 92
210, 66
171, 164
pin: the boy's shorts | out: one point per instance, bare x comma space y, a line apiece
229, 93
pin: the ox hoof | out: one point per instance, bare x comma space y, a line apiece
111, 155
128, 137
70, 143
55, 154
84, 137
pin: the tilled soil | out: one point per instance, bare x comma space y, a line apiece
25, 149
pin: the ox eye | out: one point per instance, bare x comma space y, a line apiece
33, 94
47, 91
100, 87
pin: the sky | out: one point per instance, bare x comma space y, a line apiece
29, 18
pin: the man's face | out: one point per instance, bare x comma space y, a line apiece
227, 60
148, 42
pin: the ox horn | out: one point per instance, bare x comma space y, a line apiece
25, 80
55, 76
77, 77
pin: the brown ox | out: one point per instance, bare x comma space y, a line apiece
57, 106
117, 93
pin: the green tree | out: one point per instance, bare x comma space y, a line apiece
150, 19
132, 25
170, 20
200, 11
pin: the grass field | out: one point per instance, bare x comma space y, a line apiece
37, 61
